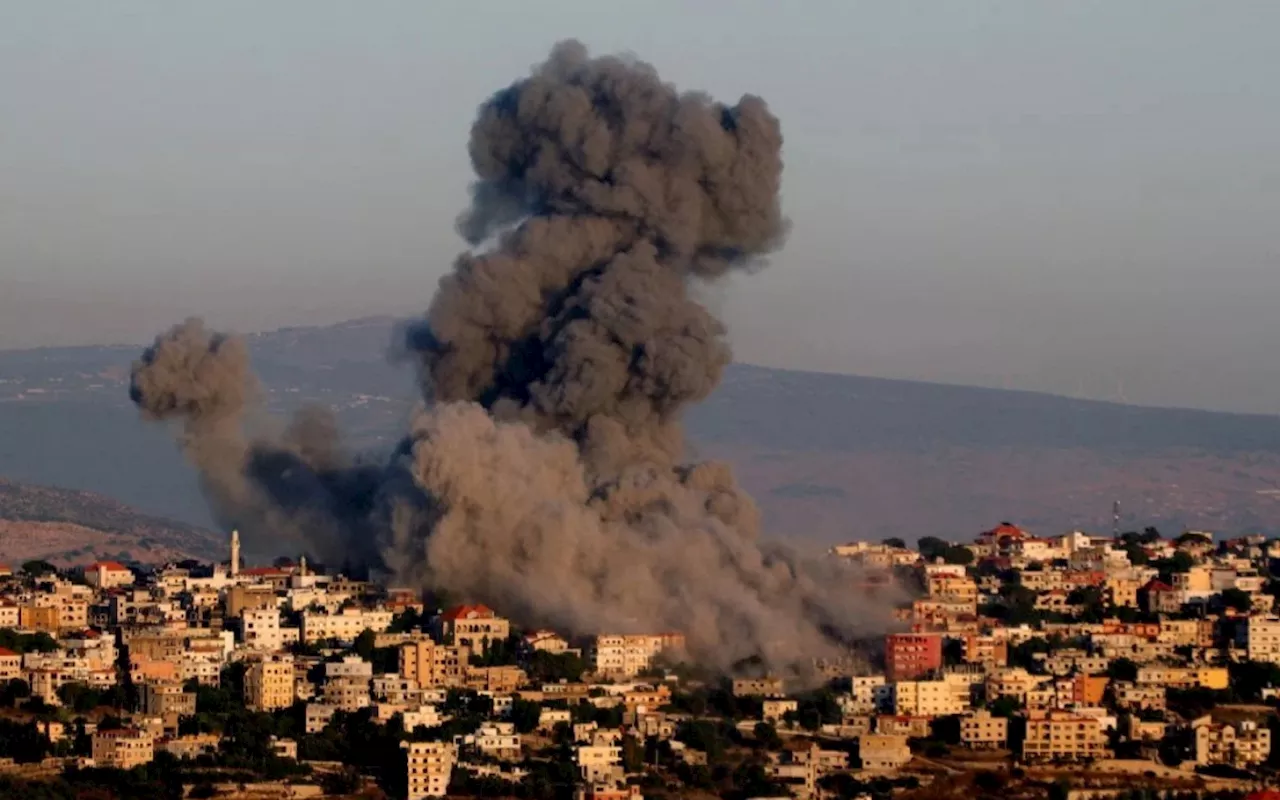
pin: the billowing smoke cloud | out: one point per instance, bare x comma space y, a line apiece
545, 473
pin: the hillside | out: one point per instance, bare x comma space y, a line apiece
68, 527
827, 456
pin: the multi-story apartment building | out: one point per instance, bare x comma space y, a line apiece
758, 687
1183, 677
1062, 736
122, 748
430, 767
1263, 639
882, 752
431, 664
870, 693
1133, 697
909, 656
347, 682
598, 762
499, 740
951, 695
986, 650
165, 699
343, 626
980, 730
269, 682
1244, 745
260, 629
629, 655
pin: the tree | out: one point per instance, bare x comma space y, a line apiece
1122, 669
767, 736
13, 690
37, 567
1004, 706
525, 714
931, 547
364, 643
1137, 554
894, 541
1237, 599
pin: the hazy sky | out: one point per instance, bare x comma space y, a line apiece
1079, 197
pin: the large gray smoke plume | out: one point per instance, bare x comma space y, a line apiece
544, 475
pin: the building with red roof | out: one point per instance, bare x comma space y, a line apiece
108, 574
472, 626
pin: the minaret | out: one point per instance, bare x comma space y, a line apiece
302, 565
235, 553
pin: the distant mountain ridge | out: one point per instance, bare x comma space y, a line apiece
67, 526
827, 456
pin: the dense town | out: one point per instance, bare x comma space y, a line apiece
1079, 665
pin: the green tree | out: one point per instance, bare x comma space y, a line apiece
1122, 669
38, 567
525, 715
894, 541
931, 547
1237, 599
364, 644
767, 736
1004, 706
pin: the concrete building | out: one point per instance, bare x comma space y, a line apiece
981, 731
431, 664
1263, 639
986, 650
269, 682
166, 699
260, 629
951, 695
122, 748
343, 626
880, 752
1063, 736
628, 656
10, 664
107, 575
430, 767
911, 655
474, 627
1244, 745
598, 762
758, 687
347, 683
499, 740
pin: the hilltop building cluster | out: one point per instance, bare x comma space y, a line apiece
1072, 650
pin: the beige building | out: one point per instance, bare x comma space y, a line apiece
1063, 736
882, 752
503, 679
1133, 697
758, 687
960, 588
982, 731
430, 766
345, 625
628, 656
774, 710
1264, 639
122, 748
474, 627
10, 664
951, 695
1244, 745
432, 664
1122, 591
107, 575
269, 682
347, 683
165, 699
598, 762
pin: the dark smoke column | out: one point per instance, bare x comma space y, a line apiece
546, 474
580, 320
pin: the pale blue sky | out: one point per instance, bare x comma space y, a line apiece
1079, 197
